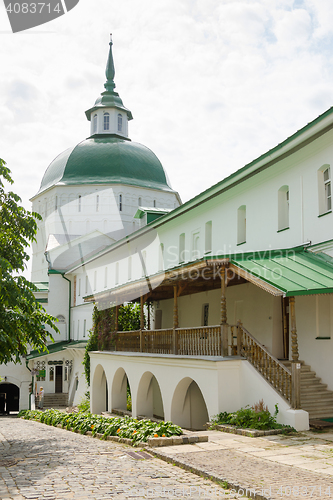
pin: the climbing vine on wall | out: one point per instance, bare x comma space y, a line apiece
102, 335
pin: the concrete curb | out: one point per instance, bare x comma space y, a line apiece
249, 492
243, 432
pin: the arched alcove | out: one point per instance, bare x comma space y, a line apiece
9, 398
149, 398
119, 390
99, 393
188, 407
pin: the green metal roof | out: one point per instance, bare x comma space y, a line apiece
56, 347
109, 98
141, 211
291, 271
107, 159
42, 286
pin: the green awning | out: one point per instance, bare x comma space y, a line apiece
287, 272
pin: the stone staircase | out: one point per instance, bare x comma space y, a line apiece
57, 400
316, 399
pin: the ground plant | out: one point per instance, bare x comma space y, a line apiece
255, 417
123, 427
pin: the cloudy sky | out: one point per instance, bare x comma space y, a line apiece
212, 84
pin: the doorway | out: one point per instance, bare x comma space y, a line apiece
9, 398
58, 379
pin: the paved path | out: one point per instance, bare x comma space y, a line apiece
278, 467
41, 462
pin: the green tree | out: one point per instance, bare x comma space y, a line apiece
22, 318
103, 331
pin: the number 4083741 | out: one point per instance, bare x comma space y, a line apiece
33, 8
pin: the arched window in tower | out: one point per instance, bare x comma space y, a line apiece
154, 203
106, 121
120, 123
95, 124
140, 201
120, 203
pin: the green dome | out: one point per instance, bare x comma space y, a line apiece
107, 160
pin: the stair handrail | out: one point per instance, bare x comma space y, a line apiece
275, 372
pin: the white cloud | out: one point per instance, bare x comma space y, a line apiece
211, 83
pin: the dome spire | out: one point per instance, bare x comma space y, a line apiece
110, 71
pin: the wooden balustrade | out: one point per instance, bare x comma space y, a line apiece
270, 367
200, 341
207, 341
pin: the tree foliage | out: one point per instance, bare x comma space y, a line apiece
103, 333
22, 318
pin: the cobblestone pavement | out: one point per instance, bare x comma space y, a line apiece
278, 467
41, 462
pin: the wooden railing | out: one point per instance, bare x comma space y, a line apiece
128, 341
208, 341
200, 341
270, 367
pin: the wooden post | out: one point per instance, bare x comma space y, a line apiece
295, 385
239, 338
175, 306
294, 342
148, 316
116, 326
224, 326
295, 364
142, 316
223, 297
175, 320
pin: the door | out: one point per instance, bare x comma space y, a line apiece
58, 379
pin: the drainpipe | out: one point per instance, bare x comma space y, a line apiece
32, 383
69, 305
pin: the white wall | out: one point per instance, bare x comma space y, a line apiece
224, 385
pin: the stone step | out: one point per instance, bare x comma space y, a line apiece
316, 399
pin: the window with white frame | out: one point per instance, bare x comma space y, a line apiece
144, 263
161, 258
117, 274
241, 225
95, 124
120, 123
324, 189
208, 236
195, 245
129, 270
283, 208
106, 121
181, 248
120, 203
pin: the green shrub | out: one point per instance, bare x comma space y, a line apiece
258, 417
84, 405
123, 427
